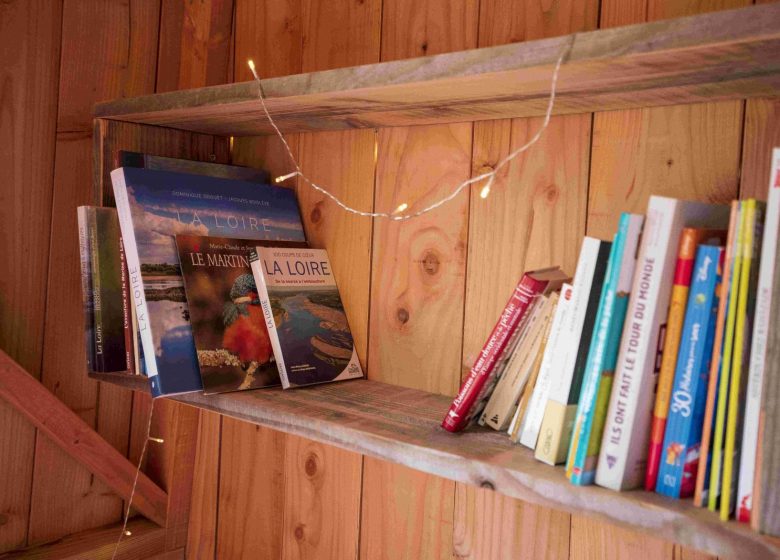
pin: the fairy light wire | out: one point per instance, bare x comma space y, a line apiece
397, 214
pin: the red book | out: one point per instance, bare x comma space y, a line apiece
479, 384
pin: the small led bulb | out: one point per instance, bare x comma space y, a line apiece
401, 207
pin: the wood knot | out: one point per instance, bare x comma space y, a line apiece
212, 158
487, 484
310, 466
4, 519
299, 532
430, 263
402, 315
316, 214
424, 47
552, 194
669, 162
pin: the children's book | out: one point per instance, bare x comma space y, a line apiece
682, 437
305, 316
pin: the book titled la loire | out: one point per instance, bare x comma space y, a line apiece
306, 321
155, 205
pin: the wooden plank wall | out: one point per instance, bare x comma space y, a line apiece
421, 296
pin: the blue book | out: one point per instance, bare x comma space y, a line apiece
602, 353
682, 440
153, 206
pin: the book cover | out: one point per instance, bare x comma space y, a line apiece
305, 316
624, 445
701, 492
569, 366
504, 400
746, 302
682, 437
690, 239
602, 353
480, 381
126, 158
766, 278
724, 377
109, 291
155, 205
231, 339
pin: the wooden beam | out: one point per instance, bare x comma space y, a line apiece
146, 540
66, 429
722, 55
402, 425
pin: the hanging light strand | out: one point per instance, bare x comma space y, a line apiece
398, 214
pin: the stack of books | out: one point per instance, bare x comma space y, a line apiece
656, 366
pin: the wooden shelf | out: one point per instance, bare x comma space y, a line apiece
402, 425
722, 55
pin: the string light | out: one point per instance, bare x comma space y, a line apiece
398, 214
156, 439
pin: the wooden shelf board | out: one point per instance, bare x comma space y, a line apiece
721, 55
402, 425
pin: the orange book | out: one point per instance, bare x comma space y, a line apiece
690, 239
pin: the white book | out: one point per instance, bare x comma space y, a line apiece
623, 456
532, 423
759, 342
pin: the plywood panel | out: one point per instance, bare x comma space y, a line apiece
534, 217
690, 152
30, 50
418, 280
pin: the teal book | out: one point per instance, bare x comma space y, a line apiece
602, 353
682, 439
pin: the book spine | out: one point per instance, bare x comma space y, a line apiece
759, 343
620, 463
682, 437
478, 382
674, 324
268, 314
575, 463
136, 281
716, 467
86, 286
525, 398
529, 430
127, 320
700, 494
97, 302
738, 384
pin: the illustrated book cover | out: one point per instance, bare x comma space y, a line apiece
231, 338
305, 316
154, 206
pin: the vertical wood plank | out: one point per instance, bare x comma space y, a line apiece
251, 492
417, 291
534, 217
762, 133
681, 151
30, 49
111, 47
202, 528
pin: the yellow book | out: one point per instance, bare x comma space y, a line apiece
723, 382
745, 302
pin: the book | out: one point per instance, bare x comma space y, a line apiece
701, 491
724, 376
109, 324
306, 321
517, 360
503, 402
690, 239
231, 338
752, 231
602, 353
153, 206
85, 268
624, 444
529, 430
521, 414
766, 278
569, 366
682, 436
765, 516
125, 158
479, 383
